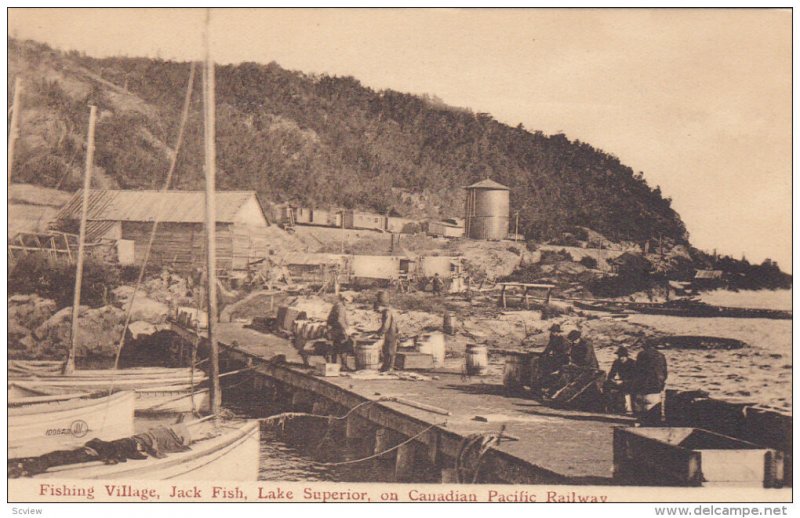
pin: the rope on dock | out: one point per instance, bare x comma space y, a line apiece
487, 440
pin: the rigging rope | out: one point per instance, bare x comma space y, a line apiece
167, 183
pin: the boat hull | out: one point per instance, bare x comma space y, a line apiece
110, 382
43, 426
170, 400
232, 456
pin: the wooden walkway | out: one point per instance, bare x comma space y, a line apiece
554, 446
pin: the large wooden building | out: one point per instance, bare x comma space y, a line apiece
127, 216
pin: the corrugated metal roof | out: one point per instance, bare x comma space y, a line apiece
173, 206
488, 184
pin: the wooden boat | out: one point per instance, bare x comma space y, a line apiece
109, 382
49, 369
227, 452
170, 400
38, 424
151, 399
221, 449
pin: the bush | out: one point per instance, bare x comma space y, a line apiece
588, 261
54, 279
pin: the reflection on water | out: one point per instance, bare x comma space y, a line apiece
306, 448
284, 460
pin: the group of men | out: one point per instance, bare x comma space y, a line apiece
342, 343
640, 381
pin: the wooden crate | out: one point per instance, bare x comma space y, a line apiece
683, 456
413, 361
328, 370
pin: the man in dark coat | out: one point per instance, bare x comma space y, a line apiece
581, 351
337, 332
547, 369
650, 378
388, 330
619, 382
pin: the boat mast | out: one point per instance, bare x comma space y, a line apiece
211, 219
69, 366
13, 133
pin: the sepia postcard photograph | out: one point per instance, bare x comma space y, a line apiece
432, 255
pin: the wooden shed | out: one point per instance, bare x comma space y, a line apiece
179, 243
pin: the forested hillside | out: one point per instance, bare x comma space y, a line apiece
319, 140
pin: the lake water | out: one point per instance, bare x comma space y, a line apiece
760, 373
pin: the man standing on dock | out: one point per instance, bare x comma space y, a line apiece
388, 330
337, 332
649, 380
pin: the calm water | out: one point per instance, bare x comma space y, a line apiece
760, 373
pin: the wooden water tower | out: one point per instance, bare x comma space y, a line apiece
487, 210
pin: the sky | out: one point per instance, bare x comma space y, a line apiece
699, 100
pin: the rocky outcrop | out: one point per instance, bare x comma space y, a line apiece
99, 332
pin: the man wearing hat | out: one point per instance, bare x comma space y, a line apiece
337, 331
556, 354
545, 371
581, 352
388, 330
620, 379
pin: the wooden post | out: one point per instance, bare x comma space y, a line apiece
13, 133
547, 296
215, 396
383, 438
69, 366
404, 462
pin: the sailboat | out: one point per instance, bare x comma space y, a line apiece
215, 448
157, 389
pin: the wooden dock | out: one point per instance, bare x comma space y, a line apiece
431, 421
550, 446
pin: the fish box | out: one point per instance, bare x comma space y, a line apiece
681, 456
413, 361
328, 370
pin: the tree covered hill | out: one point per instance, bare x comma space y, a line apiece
318, 140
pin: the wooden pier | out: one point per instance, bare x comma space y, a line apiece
548, 446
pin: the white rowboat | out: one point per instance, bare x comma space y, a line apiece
41, 424
231, 452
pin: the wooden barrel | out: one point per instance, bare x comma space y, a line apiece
516, 373
432, 344
477, 362
368, 355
